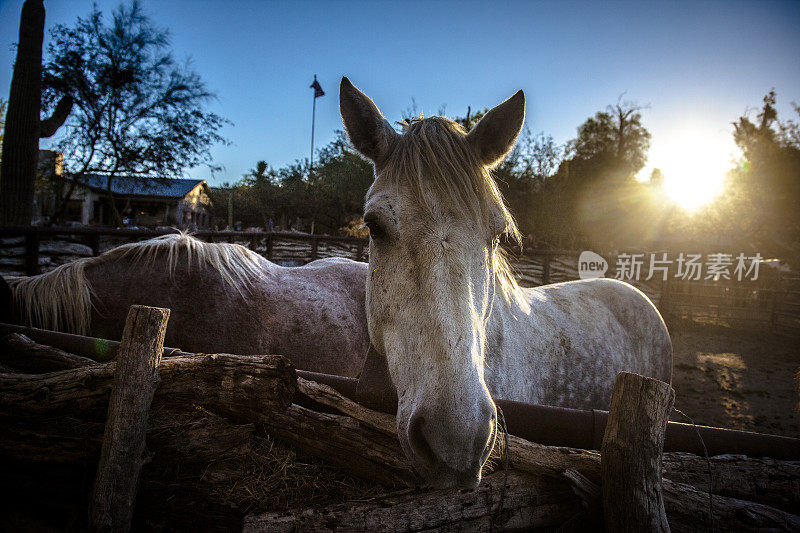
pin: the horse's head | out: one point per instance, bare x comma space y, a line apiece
435, 218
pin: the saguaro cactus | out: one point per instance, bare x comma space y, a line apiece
23, 126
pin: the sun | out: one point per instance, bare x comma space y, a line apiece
694, 164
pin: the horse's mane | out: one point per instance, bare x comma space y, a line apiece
434, 154
61, 299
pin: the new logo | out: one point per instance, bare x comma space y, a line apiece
591, 265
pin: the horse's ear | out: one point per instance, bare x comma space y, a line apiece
494, 136
369, 132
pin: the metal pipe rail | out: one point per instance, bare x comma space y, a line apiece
552, 426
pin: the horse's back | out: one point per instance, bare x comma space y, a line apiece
591, 330
611, 304
207, 313
316, 312
312, 314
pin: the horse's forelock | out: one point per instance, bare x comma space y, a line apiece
433, 155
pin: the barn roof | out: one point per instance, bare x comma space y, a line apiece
125, 185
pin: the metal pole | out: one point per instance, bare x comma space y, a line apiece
230, 208
313, 116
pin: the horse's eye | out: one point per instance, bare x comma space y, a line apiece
376, 230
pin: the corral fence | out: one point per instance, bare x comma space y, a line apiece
33, 250
770, 303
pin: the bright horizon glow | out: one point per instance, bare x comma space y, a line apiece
694, 165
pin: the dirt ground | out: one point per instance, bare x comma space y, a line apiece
730, 378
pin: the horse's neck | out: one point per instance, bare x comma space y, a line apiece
511, 338
507, 315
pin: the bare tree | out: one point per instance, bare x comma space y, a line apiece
139, 114
618, 132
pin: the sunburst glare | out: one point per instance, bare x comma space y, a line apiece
694, 164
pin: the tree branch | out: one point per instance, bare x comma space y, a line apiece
49, 126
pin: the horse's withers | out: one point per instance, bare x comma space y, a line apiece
435, 216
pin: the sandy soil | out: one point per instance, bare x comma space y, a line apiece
729, 378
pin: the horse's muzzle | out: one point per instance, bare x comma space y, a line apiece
450, 451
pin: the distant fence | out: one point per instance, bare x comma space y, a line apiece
771, 303
32, 250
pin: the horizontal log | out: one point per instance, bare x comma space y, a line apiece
70, 440
312, 392
769, 481
53, 417
61, 433
24, 355
239, 386
529, 502
557, 426
361, 439
583, 429
688, 510
761, 480
538, 459
344, 441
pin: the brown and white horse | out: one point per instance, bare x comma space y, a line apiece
442, 307
223, 297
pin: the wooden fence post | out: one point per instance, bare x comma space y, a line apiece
93, 240
359, 251
774, 305
135, 381
269, 246
631, 454
32, 252
546, 269
314, 248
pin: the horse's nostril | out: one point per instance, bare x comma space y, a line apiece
419, 443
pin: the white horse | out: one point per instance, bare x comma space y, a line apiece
444, 310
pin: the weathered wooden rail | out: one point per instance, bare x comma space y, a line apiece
553, 426
635, 487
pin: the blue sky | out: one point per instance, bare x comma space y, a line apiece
698, 65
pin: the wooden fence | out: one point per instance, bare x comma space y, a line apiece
771, 303
30, 250
768, 304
